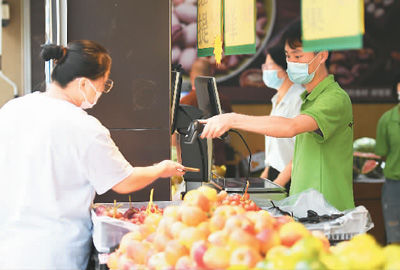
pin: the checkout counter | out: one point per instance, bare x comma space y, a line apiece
198, 153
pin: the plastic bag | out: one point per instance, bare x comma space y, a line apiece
352, 222
300, 203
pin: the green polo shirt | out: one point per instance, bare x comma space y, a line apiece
323, 159
388, 142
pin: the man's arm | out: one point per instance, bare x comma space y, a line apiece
274, 126
143, 176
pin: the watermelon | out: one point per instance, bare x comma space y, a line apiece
364, 145
364, 159
369, 166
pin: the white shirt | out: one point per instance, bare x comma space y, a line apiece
53, 158
279, 151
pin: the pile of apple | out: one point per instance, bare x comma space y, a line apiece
205, 232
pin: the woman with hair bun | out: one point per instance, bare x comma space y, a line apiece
54, 157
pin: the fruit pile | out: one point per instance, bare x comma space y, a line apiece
134, 215
206, 232
362, 252
239, 200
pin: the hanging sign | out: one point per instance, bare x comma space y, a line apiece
239, 26
332, 24
209, 26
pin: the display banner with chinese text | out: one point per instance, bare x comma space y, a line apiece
209, 25
239, 26
332, 24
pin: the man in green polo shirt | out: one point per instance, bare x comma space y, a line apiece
388, 146
323, 156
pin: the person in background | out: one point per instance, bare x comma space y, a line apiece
54, 157
202, 67
286, 103
323, 154
388, 146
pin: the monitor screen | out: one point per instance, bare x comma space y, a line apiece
176, 84
207, 96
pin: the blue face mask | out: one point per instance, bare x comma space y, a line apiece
271, 79
298, 72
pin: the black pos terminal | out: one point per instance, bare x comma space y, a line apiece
197, 152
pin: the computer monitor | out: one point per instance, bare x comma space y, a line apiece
207, 96
176, 84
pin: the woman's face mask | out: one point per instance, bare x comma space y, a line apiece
271, 79
298, 72
85, 103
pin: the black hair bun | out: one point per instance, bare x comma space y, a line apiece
51, 51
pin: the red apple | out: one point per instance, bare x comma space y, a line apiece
239, 238
197, 253
192, 215
218, 238
245, 256
216, 258
138, 251
291, 232
185, 263
239, 222
281, 220
196, 198
173, 251
268, 238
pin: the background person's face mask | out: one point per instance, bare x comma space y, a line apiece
298, 72
85, 103
271, 79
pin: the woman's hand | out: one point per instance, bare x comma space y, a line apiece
217, 125
170, 168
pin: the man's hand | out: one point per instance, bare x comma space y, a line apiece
217, 125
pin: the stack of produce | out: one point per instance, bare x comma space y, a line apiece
215, 231
361, 252
134, 215
207, 231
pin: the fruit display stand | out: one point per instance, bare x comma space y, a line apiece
108, 230
228, 231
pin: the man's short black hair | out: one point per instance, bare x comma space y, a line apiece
292, 36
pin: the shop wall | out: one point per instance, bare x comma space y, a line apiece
136, 33
11, 59
366, 118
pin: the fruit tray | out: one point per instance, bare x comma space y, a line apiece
351, 223
108, 231
355, 221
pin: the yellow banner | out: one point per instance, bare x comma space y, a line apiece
323, 19
209, 19
239, 22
